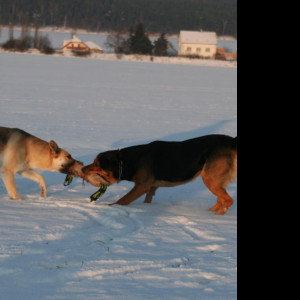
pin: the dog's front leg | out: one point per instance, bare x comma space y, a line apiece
150, 194
38, 178
137, 191
9, 182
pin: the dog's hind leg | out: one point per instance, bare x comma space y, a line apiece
216, 175
38, 178
9, 182
150, 194
224, 201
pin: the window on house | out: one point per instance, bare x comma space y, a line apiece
207, 49
189, 49
198, 50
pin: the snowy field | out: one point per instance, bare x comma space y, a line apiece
64, 247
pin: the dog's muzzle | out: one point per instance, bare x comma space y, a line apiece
95, 176
72, 168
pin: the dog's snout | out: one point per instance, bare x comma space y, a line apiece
80, 163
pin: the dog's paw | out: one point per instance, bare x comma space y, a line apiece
221, 211
15, 197
43, 193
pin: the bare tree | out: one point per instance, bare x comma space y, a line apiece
74, 27
24, 26
65, 22
36, 30
11, 26
118, 42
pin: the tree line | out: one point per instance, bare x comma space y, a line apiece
138, 42
169, 16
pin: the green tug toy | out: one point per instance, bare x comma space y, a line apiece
68, 180
99, 193
93, 197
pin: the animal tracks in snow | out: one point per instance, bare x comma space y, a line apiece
109, 268
190, 228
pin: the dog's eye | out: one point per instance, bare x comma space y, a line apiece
69, 156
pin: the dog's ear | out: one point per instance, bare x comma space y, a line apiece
109, 160
54, 147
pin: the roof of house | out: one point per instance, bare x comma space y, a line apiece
198, 37
74, 39
92, 45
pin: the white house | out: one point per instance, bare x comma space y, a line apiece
197, 43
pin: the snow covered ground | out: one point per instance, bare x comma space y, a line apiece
64, 247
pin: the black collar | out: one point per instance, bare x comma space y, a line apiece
120, 166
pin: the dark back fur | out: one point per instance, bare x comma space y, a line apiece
170, 161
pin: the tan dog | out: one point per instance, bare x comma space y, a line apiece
21, 152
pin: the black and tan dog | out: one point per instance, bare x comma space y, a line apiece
21, 152
167, 164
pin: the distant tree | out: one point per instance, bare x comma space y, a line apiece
44, 44
24, 42
139, 41
11, 26
24, 25
36, 30
16, 45
161, 46
118, 42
